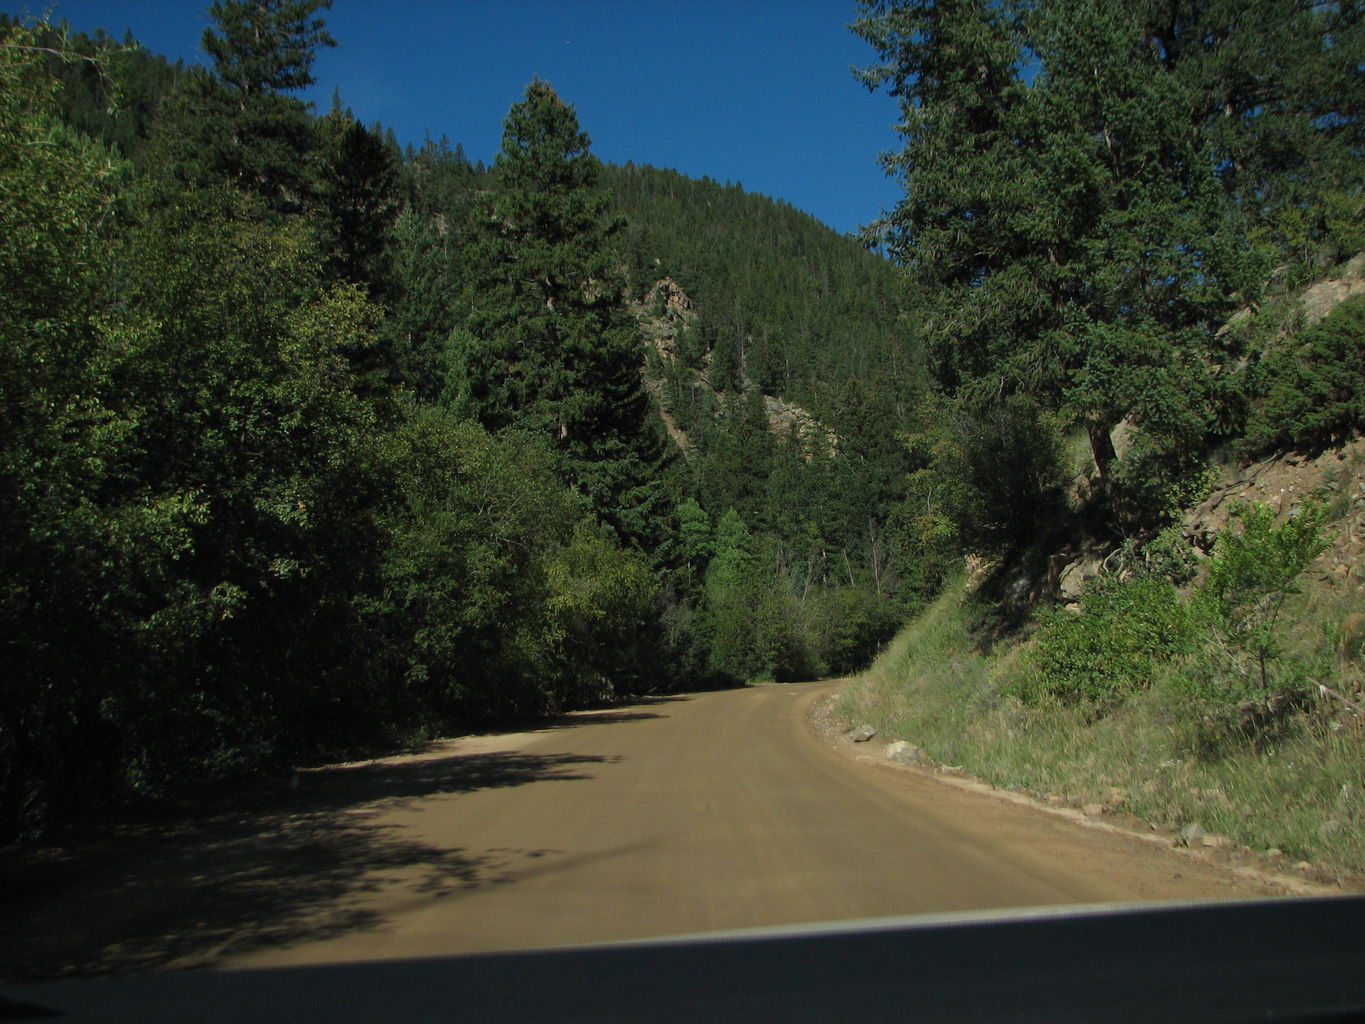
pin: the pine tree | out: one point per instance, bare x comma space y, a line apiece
360, 198
969, 187
1067, 239
240, 125
266, 46
544, 340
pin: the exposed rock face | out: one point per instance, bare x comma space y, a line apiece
784, 419
1320, 299
664, 314
1325, 296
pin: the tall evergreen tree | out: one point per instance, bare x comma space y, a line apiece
360, 198
1067, 238
266, 46
240, 124
544, 340
954, 67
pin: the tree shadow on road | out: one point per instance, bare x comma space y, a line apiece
279, 867
635, 711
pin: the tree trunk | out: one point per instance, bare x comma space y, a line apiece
1101, 445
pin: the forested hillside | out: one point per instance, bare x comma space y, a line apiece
782, 357
312, 443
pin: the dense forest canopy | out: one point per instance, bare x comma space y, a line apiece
312, 442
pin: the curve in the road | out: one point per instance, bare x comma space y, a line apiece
681, 815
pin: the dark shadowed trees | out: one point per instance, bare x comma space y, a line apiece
543, 339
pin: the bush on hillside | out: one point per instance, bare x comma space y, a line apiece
1225, 644
1256, 569
1126, 629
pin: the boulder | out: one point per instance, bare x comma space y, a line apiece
902, 752
862, 734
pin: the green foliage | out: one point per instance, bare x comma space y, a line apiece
1225, 642
754, 632
1300, 793
109, 90
1284, 134
225, 543
65, 545
1310, 391
1253, 574
265, 46
732, 560
543, 339
359, 193
1125, 631
784, 304
239, 125
597, 617
695, 542
783, 312
1079, 236
471, 529
988, 476
423, 261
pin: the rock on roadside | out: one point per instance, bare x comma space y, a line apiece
903, 753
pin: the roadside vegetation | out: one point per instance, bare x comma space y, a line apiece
1191, 703
312, 444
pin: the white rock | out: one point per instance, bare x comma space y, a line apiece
902, 752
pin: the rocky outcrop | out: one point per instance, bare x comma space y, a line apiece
1323, 297
786, 418
664, 314
1316, 301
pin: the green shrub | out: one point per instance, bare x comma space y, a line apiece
1126, 629
1254, 572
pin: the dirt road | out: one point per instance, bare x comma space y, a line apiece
682, 815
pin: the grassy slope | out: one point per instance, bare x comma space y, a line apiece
1301, 793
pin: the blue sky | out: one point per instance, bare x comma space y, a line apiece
752, 91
